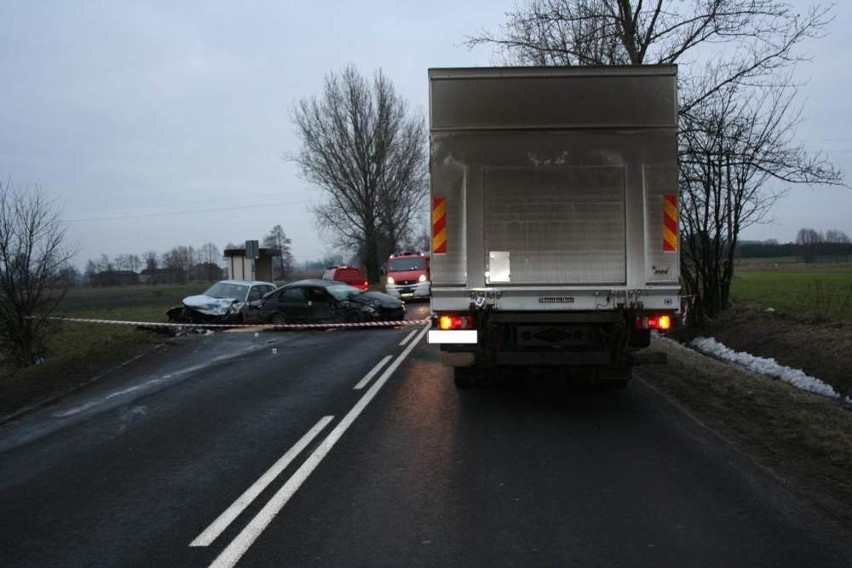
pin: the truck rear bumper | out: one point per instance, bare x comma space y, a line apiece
559, 299
526, 358
455, 337
546, 338
563, 358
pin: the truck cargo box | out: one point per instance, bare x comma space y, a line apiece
554, 191
554, 177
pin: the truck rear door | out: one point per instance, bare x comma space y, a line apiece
554, 225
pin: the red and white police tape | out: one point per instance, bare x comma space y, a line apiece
258, 325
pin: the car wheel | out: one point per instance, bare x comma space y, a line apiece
278, 319
354, 316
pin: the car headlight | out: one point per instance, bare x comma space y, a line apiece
391, 280
422, 278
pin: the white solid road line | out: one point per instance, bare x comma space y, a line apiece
234, 551
369, 376
408, 337
225, 519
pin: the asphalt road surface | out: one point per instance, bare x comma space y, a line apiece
353, 448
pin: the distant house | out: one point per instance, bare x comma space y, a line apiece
240, 267
157, 276
115, 278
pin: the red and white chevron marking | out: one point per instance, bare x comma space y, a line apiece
256, 326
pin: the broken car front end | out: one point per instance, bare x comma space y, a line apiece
205, 309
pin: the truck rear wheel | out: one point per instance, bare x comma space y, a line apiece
616, 378
464, 377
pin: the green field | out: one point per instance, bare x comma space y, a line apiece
822, 292
128, 303
124, 302
79, 351
768, 260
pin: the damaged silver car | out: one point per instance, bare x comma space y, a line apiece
227, 301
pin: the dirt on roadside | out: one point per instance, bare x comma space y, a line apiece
806, 439
22, 393
821, 349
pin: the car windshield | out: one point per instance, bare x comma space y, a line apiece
227, 290
405, 264
343, 291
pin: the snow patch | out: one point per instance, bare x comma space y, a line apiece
765, 366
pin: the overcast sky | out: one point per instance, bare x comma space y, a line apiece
159, 124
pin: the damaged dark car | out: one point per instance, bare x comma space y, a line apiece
225, 302
326, 301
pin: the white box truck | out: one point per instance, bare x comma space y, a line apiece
554, 216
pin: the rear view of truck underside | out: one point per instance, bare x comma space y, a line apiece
554, 195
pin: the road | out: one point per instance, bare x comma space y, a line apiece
258, 450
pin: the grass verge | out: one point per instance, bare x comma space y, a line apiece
79, 351
804, 438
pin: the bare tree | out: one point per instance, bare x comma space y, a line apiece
737, 117
210, 256
808, 237
420, 240
835, 236
732, 145
105, 264
129, 262
364, 150
151, 263
277, 239
69, 275
560, 33
179, 261
810, 243
172, 262
150, 259
403, 184
740, 39
209, 252
91, 272
32, 255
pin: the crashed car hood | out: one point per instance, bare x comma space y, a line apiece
210, 305
378, 299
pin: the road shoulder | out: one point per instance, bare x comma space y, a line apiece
805, 439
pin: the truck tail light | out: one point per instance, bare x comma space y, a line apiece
662, 322
451, 322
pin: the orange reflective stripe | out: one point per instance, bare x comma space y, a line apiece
670, 223
439, 225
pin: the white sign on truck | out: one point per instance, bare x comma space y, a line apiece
555, 235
